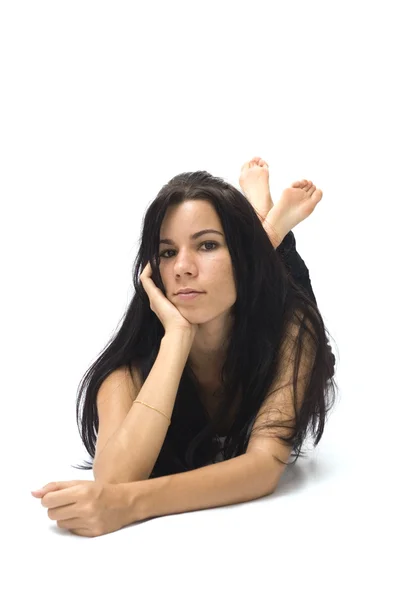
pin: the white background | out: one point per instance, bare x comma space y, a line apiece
101, 104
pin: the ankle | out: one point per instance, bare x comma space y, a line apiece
273, 233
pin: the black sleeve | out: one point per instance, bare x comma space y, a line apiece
295, 264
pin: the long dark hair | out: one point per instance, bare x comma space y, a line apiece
268, 302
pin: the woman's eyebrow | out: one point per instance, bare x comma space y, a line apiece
193, 236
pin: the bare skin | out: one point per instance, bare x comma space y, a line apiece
254, 182
296, 203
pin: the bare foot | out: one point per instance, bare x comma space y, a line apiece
295, 205
254, 182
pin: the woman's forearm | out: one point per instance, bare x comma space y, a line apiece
133, 449
239, 479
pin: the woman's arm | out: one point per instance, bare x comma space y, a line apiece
131, 452
233, 481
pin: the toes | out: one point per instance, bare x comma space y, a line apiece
257, 160
318, 195
309, 187
304, 184
301, 184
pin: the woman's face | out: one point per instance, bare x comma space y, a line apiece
203, 263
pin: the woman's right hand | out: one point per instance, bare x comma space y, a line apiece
167, 313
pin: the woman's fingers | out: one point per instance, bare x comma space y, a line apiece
145, 275
146, 280
147, 269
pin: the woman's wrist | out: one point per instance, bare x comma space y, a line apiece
182, 337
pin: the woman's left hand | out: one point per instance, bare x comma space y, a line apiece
87, 508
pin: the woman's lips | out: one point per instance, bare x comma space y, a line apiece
189, 296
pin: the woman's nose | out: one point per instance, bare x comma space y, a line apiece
184, 263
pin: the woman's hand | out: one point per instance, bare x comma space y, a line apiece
88, 508
167, 313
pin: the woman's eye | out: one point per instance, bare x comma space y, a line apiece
215, 244
212, 243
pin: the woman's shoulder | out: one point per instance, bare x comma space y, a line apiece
128, 376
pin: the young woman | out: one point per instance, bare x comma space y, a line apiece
239, 370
